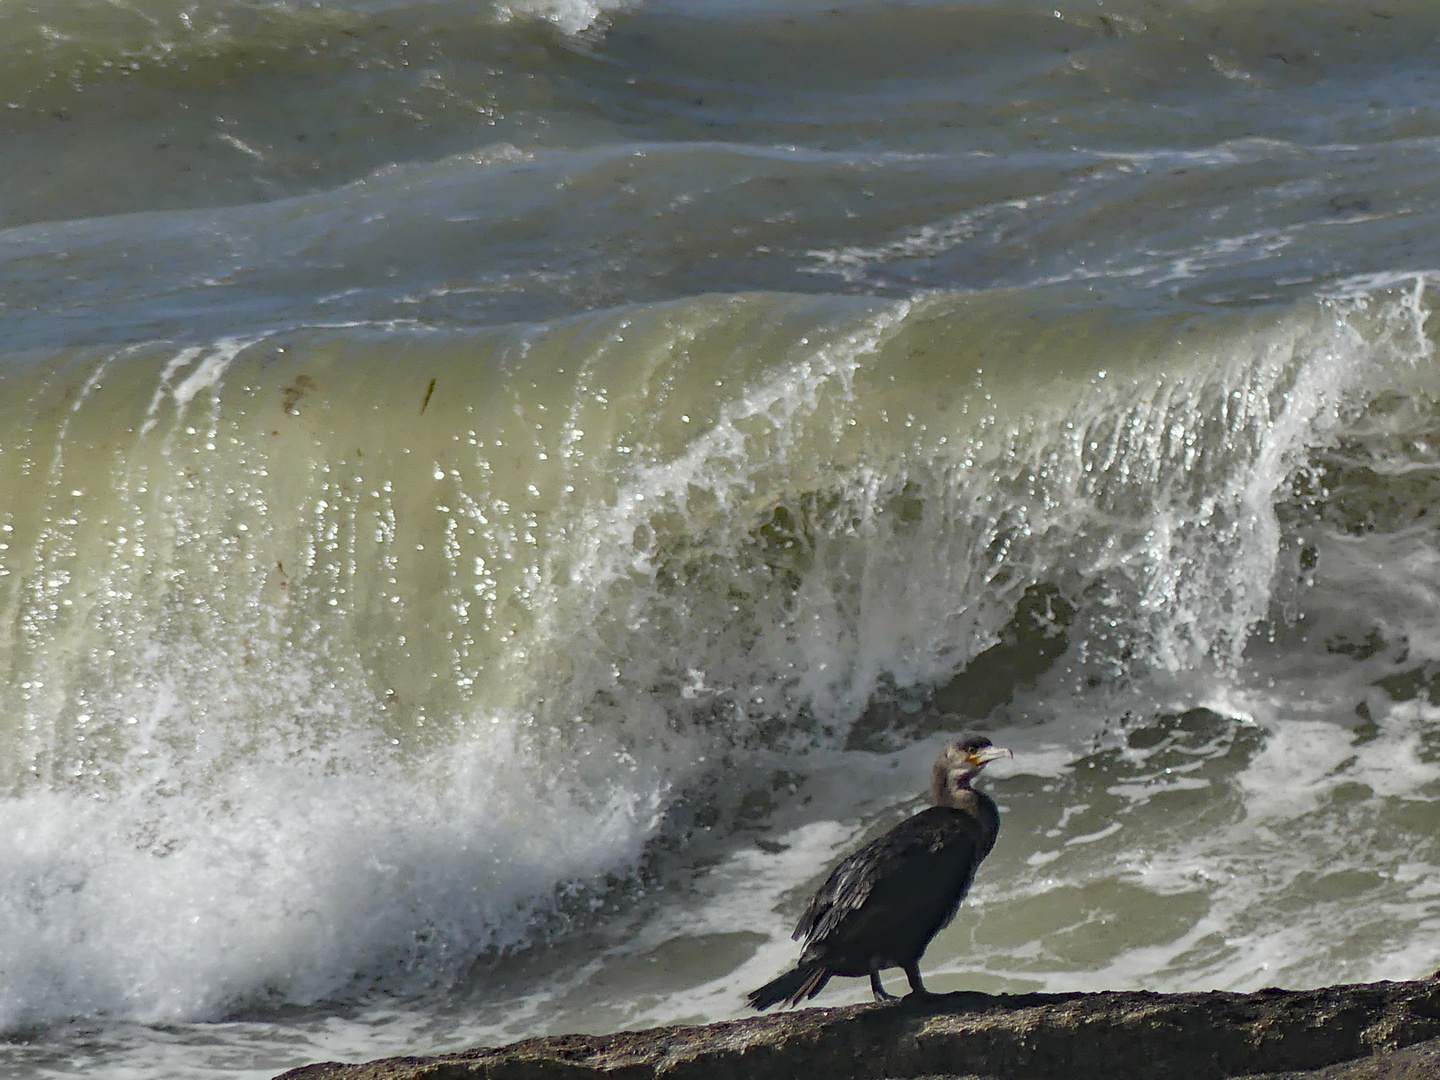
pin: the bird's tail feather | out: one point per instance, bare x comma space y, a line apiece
801, 982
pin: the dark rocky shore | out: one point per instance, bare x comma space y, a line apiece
1377, 1031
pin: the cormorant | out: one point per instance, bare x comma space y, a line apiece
881, 906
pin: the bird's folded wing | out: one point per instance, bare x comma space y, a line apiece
910, 858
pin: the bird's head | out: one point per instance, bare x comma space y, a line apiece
959, 763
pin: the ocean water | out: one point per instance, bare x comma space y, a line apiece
496, 498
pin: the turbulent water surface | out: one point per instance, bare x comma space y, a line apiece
495, 498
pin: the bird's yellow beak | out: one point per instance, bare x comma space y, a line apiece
987, 754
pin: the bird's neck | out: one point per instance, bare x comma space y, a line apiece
960, 795
965, 798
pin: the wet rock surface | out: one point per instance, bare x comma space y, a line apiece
1376, 1031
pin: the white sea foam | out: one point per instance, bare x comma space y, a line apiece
571, 16
287, 876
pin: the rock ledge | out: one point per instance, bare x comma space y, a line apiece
1376, 1031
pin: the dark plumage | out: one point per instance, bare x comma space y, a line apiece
881, 906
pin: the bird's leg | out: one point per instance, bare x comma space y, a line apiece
876, 986
912, 972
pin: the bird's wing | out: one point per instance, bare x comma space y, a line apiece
897, 864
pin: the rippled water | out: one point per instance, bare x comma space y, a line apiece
498, 498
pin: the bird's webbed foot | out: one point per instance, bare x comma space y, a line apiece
917, 988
